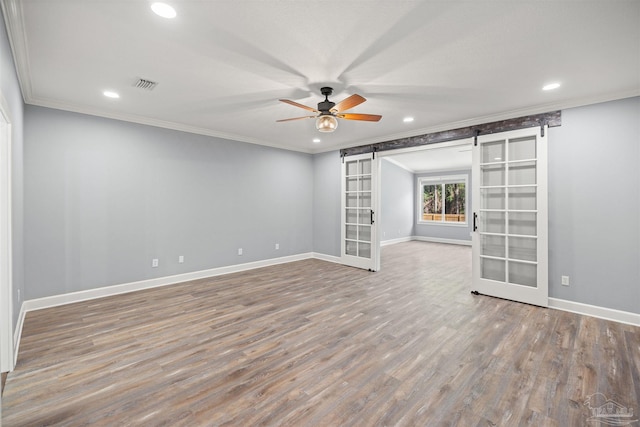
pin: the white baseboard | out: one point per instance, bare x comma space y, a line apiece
18, 333
55, 300
394, 241
438, 240
329, 258
595, 311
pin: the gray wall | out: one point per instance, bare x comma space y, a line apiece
595, 154
397, 200
326, 203
10, 90
594, 205
104, 197
451, 232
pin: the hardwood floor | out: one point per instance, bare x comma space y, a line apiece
313, 343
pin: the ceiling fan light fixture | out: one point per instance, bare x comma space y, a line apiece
326, 123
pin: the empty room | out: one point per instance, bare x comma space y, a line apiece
320, 213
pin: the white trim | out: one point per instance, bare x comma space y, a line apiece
18, 333
328, 258
439, 240
372, 262
595, 311
442, 180
47, 302
395, 241
6, 275
512, 114
56, 300
397, 163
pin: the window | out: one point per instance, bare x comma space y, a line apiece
443, 199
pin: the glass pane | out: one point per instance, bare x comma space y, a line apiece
522, 173
364, 250
351, 232
492, 152
522, 198
492, 246
432, 202
492, 269
365, 183
492, 198
492, 175
365, 167
352, 216
365, 216
365, 233
524, 248
454, 202
365, 200
352, 200
352, 167
351, 248
522, 148
523, 274
523, 223
493, 222
352, 184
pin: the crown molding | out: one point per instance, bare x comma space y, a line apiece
132, 118
14, 21
507, 115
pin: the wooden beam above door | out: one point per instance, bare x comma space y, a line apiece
551, 119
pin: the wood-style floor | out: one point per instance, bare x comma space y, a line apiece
313, 343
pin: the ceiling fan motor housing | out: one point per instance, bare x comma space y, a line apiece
326, 105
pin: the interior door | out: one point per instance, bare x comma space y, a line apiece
510, 216
359, 206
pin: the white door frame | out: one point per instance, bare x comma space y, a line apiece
6, 294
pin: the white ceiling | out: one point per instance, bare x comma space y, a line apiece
222, 65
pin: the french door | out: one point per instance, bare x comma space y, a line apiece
360, 184
510, 216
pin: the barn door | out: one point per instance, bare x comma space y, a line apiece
510, 216
359, 210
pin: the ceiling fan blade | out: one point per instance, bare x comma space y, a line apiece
365, 117
295, 104
296, 118
347, 103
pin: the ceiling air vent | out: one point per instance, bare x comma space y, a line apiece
145, 84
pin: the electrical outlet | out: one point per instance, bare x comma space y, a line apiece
181, 259
565, 280
277, 246
239, 251
154, 262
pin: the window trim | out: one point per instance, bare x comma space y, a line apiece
443, 179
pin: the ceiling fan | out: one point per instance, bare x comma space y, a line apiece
329, 112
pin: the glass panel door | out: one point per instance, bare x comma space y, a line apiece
359, 180
510, 226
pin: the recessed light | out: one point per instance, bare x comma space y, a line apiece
110, 94
407, 119
164, 10
551, 86
316, 140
